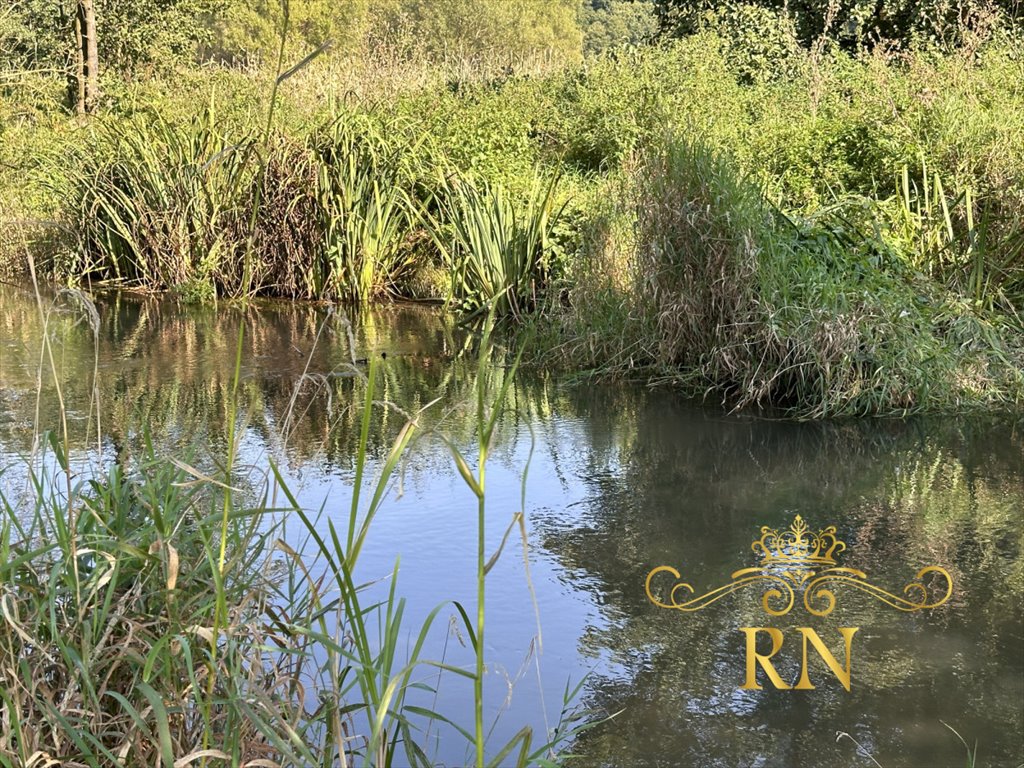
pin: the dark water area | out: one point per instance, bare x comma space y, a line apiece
620, 479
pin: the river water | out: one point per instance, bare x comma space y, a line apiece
620, 479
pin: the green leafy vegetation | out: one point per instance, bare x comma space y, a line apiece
610, 24
885, 187
496, 253
851, 22
818, 312
819, 214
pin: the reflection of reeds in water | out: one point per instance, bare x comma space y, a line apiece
674, 484
154, 614
168, 370
968, 515
948, 480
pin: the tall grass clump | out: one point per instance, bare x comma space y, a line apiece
151, 203
819, 316
363, 185
701, 230
976, 248
496, 247
159, 205
284, 224
109, 596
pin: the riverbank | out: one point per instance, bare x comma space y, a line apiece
821, 233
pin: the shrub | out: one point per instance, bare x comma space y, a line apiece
820, 316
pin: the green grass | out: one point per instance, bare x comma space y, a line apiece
364, 194
495, 247
155, 205
159, 612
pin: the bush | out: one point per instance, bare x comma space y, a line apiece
819, 316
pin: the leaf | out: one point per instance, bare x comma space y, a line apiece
181, 762
464, 470
305, 62
163, 727
172, 568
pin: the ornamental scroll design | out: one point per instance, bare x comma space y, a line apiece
799, 559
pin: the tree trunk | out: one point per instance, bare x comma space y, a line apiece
78, 85
88, 59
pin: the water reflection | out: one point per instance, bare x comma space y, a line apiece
622, 479
693, 491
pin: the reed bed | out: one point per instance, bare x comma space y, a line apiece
156, 612
339, 215
151, 204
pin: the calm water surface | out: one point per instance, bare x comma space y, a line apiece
620, 479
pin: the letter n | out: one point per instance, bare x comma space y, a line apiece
843, 675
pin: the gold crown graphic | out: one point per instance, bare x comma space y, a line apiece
799, 547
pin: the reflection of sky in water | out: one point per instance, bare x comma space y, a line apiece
620, 480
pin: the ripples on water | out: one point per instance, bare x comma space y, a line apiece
621, 479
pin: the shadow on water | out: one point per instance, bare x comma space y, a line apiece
622, 479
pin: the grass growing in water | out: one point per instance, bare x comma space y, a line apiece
126, 639
158, 206
363, 186
153, 204
494, 246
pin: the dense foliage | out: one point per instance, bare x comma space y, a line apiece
134, 33
852, 22
609, 24
140, 33
882, 195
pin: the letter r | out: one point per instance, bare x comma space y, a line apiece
754, 658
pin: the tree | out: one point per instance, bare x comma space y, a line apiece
87, 57
154, 34
37, 34
73, 36
243, 29
473, 27
852, 21
608, 24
